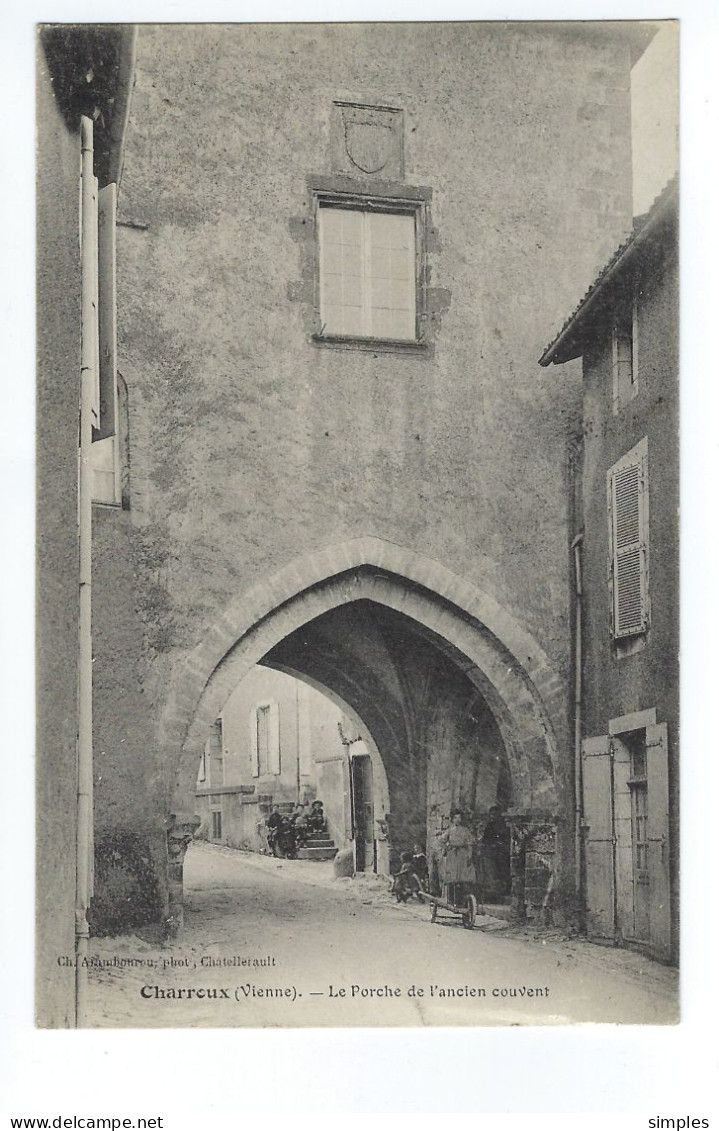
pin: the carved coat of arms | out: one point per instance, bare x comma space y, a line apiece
369, 145
369, 138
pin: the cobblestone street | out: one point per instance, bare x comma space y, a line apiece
282, 943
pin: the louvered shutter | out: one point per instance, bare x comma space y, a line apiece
627, 505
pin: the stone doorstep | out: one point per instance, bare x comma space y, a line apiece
326, 852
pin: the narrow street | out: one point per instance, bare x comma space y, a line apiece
282, 943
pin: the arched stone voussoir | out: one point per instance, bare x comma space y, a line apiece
509, 665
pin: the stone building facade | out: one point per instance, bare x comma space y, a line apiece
86, 73
625, 526
278, 741
339, 250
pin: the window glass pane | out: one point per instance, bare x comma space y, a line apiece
382, 293
367, 273
332, 259
401, 295
351, 290
332, 322
353, 321
392, 324
380, 262
391, 230
402, 265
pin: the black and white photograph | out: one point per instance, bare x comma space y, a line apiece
358, 524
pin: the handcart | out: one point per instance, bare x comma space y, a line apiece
443, 908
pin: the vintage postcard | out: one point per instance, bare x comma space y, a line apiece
358, 619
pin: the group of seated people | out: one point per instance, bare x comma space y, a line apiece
299, 826
308, 822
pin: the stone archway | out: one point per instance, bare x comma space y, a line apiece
487, 645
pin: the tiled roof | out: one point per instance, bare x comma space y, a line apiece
643, 225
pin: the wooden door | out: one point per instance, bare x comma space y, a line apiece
599, 839
658, 840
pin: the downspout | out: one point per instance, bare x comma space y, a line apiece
88, 380
578, 802
297, 721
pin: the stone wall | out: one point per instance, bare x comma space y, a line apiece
250, 445
58, 352
649, 677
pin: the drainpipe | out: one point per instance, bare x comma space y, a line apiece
88, 384
578, 804
297, 720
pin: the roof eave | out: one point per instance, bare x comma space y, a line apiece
569, 343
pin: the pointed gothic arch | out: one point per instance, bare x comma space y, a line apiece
487, 643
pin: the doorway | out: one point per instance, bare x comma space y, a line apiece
626, 836
362, 807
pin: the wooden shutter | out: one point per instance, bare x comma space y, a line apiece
599, 836
89, 237
254, 749
304, 737
628, 535
273, 753
658, 840
107, 487
107, 307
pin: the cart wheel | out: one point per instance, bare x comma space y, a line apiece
433, 908
469, 914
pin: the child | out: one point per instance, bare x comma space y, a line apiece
316, 817
300, 824
457, 844
406, 884
419, 864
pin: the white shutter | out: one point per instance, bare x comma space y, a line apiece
304, 737
254, 751
273, 759
88, 240
628, 535
106, 475
599, 861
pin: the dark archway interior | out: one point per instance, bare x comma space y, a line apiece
438, 739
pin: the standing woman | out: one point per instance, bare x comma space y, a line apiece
457, 846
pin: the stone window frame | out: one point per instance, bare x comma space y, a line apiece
387, 198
